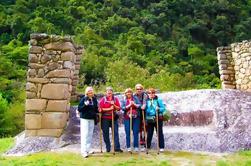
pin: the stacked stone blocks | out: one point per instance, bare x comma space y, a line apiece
51, 80
235, 66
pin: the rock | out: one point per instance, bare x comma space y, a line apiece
55, 91
57, 105
59, 74
33, 121
33, 58
45, 58
40, 73
35, 104
30, 95
68, 56
38, 80
52, 66
54, 120
35, 50
31, 87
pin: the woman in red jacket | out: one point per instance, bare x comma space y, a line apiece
108, 104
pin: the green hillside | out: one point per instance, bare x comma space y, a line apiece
167, 44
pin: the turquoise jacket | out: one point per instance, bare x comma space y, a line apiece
151, 105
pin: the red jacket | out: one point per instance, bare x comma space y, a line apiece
105, 102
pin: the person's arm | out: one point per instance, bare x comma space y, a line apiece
161, 106
81, 104
136, 102
143, 106
123, 105
96, 105
116, 104
102, 106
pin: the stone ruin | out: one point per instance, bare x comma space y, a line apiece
52, 77
201, 120
235, 66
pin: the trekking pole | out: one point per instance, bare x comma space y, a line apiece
144, 121
131, 129
100, 131
157, 127
113, 150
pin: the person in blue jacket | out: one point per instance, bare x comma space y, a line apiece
88, 109
154, 105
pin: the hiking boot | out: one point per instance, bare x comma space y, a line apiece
119, 150
91, 152
85, 155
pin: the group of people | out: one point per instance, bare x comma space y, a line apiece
142, 113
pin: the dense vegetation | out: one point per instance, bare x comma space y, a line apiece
168, 44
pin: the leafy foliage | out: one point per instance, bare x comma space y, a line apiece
168, 44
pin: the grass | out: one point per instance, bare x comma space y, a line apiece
123, 159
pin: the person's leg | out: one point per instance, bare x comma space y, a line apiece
127, 132
116, 135
90, 134
136, 125
161, 135
84, 133
150, 129
105, 128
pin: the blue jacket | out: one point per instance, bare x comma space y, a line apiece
151, 105
88, 111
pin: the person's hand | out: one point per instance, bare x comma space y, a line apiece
77, 114
143, 107
157, 108
112, 107
87, 102
132, 103
99, 110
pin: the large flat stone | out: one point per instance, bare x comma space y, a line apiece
54, 120
33, 121
68, 56
35, 50
59, 74
55, 91
60, 46
57, 105
35, 104
38, 80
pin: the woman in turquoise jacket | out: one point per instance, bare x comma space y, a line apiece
154, 105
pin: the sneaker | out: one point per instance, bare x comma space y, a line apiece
129, 150
142, 149
161, 150
85, 155
91, 152
119, 150
136, 149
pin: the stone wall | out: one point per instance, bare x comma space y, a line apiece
235, 66
52, 76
